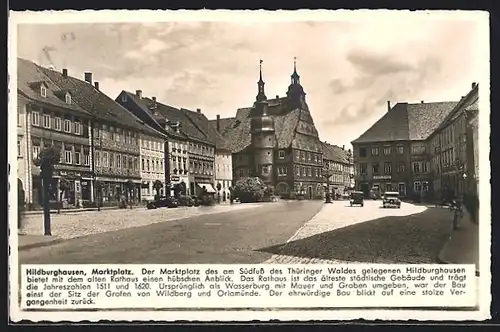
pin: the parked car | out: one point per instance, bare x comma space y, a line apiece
357, 198
185, 201
163, 201
391, 199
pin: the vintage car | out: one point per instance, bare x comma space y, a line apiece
357, 198
188, 201
163, 201
391, 199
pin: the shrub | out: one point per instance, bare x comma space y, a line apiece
249, 190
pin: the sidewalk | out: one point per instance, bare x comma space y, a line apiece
463, 245
66, 211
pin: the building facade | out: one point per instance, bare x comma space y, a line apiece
114, 142
48, 116
338, 169
152, 154
449, 153
421, 169
162, 118
393, 154
473, 151
190, 152
276, 140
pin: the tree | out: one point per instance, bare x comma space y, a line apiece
249, 190
157, 185
130, 188
98, 189
64, 185
219, 187
46, 160
179, 189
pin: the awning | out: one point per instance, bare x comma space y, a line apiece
210, 189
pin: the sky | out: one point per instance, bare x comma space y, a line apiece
349, 69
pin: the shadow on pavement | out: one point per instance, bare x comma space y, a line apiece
414, 239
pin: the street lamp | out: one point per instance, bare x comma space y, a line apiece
46, 161
95, 183
326, 175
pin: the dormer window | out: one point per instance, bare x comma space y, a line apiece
68, 98
43, 91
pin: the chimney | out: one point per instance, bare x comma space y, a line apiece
474, 84
343, 147
96, 85
88, 77
65, 73
218, 122
421, 102
388, 105
198, 110
138, 93
277, 97
154, 99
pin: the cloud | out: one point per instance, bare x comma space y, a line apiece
349, 70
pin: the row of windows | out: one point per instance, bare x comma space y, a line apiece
116, 134
153, 165
306, 156
199, 167
337, 178
43, 93
307, 171
152, 145
418, 167
420, 186
223, 168
448, 157
179, 163
56, 123
77, 157
337, 166
387, 150
200, 149
421, 167
116, 160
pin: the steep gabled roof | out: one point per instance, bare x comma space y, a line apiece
293, 127
203, 124
466, 101
392, 126
150, 115
424, 118
99, 104
188, 128
407, 122
29, 80
334, 153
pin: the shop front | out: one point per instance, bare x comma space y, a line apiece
179, 185
69, 186
113, 190
203, 184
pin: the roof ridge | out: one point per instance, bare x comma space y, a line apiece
151, 117
186, 114
296, 125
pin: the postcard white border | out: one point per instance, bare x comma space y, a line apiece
250, 17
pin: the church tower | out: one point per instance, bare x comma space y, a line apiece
263, 135
296, 95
